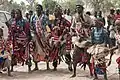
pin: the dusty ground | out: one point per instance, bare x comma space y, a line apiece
61, 74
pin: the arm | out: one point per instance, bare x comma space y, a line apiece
106, 38
27, 30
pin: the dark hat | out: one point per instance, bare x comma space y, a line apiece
79, 6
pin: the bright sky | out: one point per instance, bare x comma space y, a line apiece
18, 1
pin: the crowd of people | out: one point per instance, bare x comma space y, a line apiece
52, 38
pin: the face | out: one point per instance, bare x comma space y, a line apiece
38, 9
13, 14
79, 10
1, 32
68, 11
118, 11
58, 13
100, 13
30, 13
112, 11
17, 14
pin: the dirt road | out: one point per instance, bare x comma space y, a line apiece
61, 74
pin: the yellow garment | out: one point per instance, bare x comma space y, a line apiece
51, 17
48, 29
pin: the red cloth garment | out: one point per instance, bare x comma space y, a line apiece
117, 16
19, 33
54, 54
118, 61
68, 42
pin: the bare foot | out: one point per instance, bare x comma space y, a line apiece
35, 69
74, 75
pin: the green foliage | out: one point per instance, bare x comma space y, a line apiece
49, 4
71, 4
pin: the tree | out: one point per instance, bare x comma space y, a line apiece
71, 4
2, 2
49, 4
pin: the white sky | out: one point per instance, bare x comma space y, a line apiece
18, 1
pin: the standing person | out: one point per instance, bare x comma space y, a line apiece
64, 13
117, 37
111, 26
81, 25
20, 33
11, 37
68, 16
32, 20
100, 17
5, 59
100, 39
40, 38
57, 32
27, 17
95, 14
117, 16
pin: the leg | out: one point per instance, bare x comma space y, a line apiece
68, 61
29, 65
12, 68
105, 75
96, 77
47, 62
119, 73
55, 64
36, 66
9, 72
90, 68
74, 66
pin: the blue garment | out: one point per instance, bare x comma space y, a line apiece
44, 21
99, 71
99, 36
33, 22
1, 58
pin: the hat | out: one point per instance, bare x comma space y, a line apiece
78, 6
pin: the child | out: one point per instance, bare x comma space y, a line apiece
4, 53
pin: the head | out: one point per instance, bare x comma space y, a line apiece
95, 13
18, 14
65, 11
88, 13
68, 11
13, 13
100, 13
1, 32
47, 12
30, 12
118, 11
39, 9
112, 11
79, 9
27, 15
118, 29
58, 12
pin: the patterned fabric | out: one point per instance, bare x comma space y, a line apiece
20, 35
118, 61
68, 42
99, 36
5, 50
111, 19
